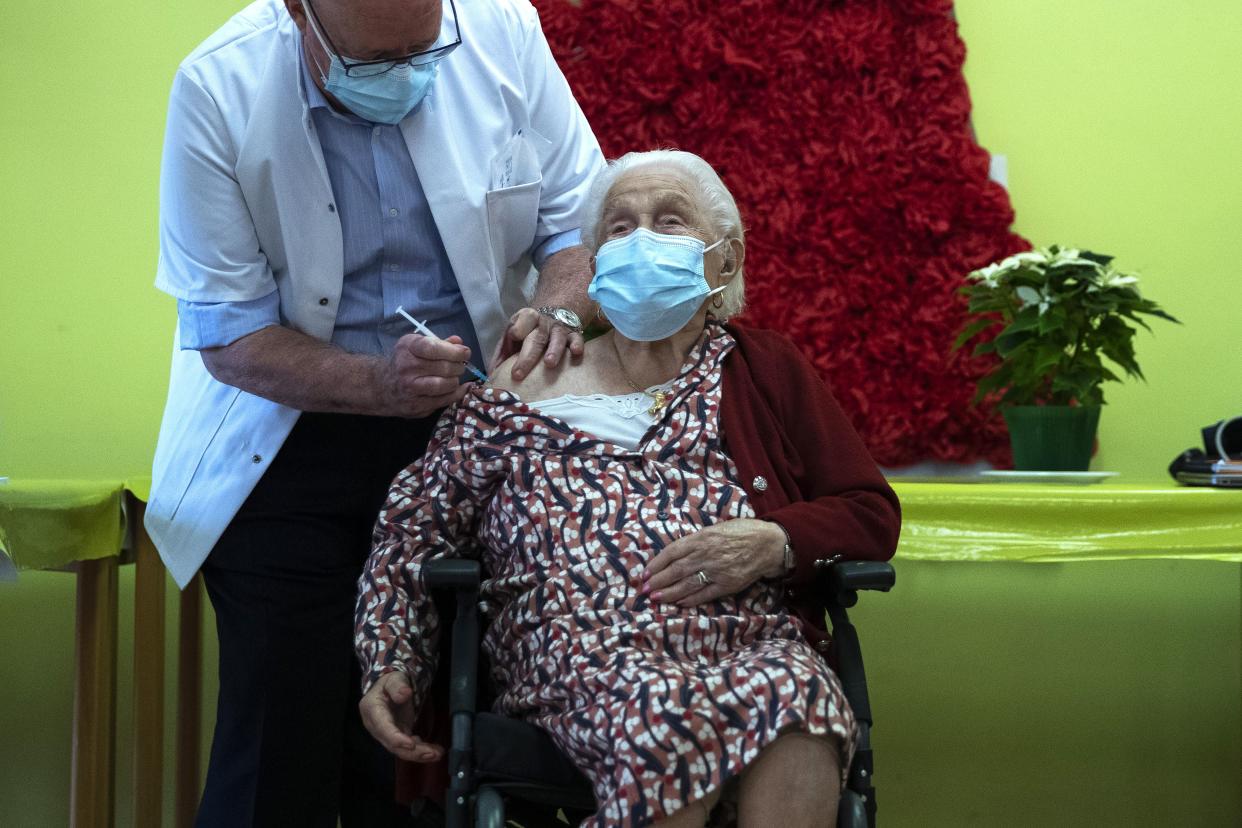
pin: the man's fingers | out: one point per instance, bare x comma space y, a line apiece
558, 339
429, 386
577, 343
428, 405
520, 325
424, 347
533, 346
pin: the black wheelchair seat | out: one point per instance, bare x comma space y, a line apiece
522, 760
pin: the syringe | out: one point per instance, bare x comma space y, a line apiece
425, 331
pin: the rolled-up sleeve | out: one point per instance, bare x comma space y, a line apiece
216, 324
209, 247
547, 246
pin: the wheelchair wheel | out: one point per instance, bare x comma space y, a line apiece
489, 809
852, 812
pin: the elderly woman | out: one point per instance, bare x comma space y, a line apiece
646, 517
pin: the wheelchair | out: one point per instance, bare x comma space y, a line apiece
503, 769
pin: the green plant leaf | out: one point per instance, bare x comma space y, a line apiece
972, 330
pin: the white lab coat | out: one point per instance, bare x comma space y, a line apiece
246, 206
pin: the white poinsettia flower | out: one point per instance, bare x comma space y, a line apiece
1028, 295
986, 274
1027, 257
1113, 279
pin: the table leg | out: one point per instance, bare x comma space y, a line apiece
92, 799
148, 677
189, 703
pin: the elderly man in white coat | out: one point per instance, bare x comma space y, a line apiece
327, 162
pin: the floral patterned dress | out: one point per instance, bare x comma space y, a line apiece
658, 705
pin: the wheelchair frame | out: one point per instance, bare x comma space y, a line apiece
469, 793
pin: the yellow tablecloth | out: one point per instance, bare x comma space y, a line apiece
46, 524
1041, 522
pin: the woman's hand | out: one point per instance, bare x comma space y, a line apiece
388, 713
732, 555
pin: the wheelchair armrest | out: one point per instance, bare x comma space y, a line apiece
461, 578
452, 573
841, 580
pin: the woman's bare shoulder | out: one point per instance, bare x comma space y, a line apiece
544, 380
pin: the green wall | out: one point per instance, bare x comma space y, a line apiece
1120, 121
1120, 124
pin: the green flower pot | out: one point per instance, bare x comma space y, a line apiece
1052, 437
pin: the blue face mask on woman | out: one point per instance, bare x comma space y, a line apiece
650, 285
383, 95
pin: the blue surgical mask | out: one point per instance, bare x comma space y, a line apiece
650, 285
384, 97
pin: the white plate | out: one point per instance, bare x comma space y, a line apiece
1046, 476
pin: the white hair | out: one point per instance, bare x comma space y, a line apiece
714, 199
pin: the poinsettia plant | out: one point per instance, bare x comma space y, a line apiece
1060, 312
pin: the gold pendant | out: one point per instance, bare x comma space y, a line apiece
660, 397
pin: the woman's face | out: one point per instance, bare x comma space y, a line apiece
662, 200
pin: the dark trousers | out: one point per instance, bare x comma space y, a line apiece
289, 747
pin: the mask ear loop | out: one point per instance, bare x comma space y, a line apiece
717, 300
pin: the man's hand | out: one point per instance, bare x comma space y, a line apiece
388, 714
535, 335
422, 375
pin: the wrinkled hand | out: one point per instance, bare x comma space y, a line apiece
536, 335
422, 375
388, 714
733, 554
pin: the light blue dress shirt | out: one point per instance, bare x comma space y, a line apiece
393, 254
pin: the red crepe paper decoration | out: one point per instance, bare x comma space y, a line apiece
843, 130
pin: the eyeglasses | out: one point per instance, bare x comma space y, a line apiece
367, 68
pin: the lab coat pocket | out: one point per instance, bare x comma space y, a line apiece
512, 216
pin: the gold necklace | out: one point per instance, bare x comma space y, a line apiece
659, 398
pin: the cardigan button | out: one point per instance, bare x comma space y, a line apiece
760, 483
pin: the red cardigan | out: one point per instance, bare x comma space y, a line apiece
802, 464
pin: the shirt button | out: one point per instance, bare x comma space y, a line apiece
323, 300
392, 211
331, 208
392, 267
375, 131
258, 458
760, 483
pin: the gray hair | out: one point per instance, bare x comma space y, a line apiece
714, 199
